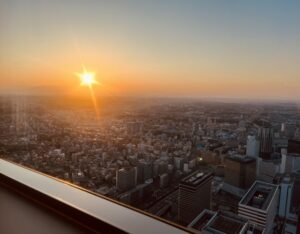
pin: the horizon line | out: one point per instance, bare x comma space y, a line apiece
172, 97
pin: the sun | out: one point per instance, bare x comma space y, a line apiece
87, 78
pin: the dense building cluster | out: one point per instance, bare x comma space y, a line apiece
183, 160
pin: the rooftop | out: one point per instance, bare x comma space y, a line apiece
223, 222
196, 178
256, 229
241, 158
209, 221
201, 220
259, 195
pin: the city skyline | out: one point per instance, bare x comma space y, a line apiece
139, 48
146, 116
176, 160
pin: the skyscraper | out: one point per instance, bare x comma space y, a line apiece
294, 147
252, 147
194, 195
240, 171
126, 178
148, 168
259, 205
291, 157
265, 135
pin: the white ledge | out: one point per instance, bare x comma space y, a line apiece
116, 215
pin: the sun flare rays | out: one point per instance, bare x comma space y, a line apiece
88, 79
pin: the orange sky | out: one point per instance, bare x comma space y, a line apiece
197, 49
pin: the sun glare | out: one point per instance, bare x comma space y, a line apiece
88, 79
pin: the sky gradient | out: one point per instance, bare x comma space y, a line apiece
239, 49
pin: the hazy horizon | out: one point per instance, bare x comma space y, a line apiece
212, 99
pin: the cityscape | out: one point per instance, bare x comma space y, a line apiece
153, 117
187, 161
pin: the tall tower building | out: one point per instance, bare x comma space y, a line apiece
252, 147
148, 168
126, 178
282, 127
291, 158
194, 195
265, 135
240, 171
259, 205
294, 147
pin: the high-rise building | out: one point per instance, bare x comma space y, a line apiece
285, 196
194, 195
126, 178
294, 147
140, 171
289, 203
265, 135
162, 167
252, 147
210, 222
226, 198
201, 220
163, 180
292, 163
156, 169
186, 168
282, 127
267, 169
148, 170
219, 222
290, 159
259, 205
178, 162
240, 171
